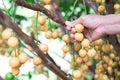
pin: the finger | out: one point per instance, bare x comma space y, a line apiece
87, 33
97, 33
73, 23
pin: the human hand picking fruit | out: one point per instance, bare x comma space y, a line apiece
98, 26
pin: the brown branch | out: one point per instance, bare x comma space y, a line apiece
28, 40
57, 11
40, 8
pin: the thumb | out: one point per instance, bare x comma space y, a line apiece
73, 23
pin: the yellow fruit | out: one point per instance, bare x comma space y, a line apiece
79, 28
44, 28
13, 42
101, 8
79, 60
46, 1
106, 48
66, 38
43, 47
112, 55
77, 74
117, 6
1, 27
76, 46
49, 7
79, 36
98, 1
55, 34
86, 58
14, 62
23, 58
41, 20
30, 48
82, 53
37, 60
66, 48
91, 53
85, 43
6, 34
15, 71
48, 34
98, 42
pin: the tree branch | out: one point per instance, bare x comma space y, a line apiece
28, 40
40, 8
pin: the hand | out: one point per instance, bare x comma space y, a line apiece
98, 26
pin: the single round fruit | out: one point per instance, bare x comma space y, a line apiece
41, 20
30, 48
13, 42
91, 53
76, 46
23, 58
77, 74
43, 47
6, 34
66, 48
48, 7
9, 76
46, 1
79, 36
98, 42
106, 48
15, 71
66, 38
112, 55
48, 34
101, 8
117, 6
98, 1
85, 43
55, 34
44, 28
79, 28
37, 60
79, 60
82, 53
14, 62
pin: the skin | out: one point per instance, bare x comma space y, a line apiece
98, 26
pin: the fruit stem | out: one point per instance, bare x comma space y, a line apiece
85, 7
37, 26
73, 7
